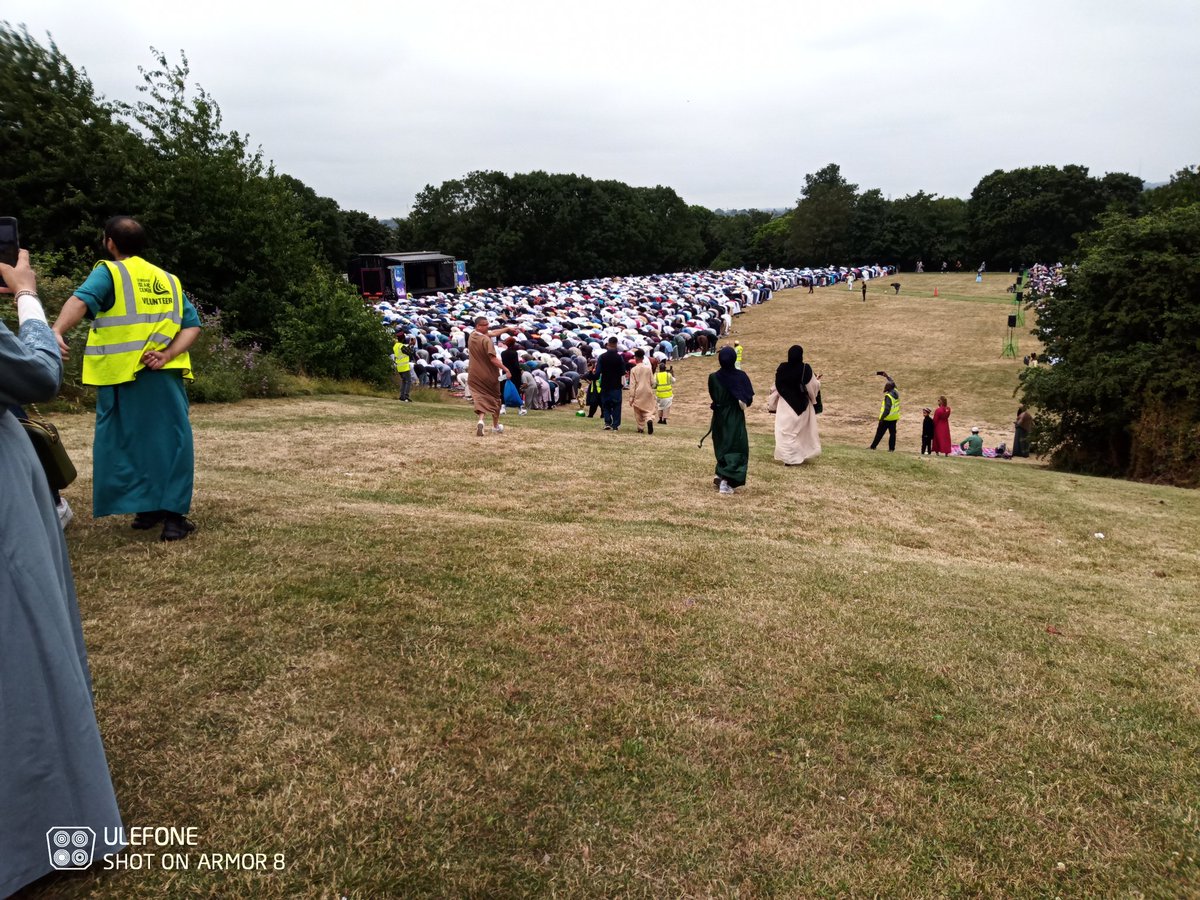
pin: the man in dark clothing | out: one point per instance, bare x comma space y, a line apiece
864, 290
889, 414
512, 361
611, 367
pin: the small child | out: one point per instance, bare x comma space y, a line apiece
926, 432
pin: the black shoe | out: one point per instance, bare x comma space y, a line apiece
144, 521
649, 427
176, 528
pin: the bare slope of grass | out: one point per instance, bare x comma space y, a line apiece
420, 663
949, 345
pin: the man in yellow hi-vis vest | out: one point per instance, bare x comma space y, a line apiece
737, 349
889, 414
402, 354
664, 389
137, 358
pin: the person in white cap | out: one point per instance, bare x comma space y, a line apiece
972, 446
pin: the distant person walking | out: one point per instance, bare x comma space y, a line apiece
889, 414
731, 394
941, 427
483, 374
864, 290
611, 367
592, 396
796, 437
641, 393
512, 362
664, 391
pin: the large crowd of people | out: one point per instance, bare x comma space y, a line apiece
1041, 280
554, 329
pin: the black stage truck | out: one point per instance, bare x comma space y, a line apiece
426, 272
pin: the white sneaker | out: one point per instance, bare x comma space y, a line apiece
502, 410
524, 410
498, 429
65, 513
479, 428
725, 488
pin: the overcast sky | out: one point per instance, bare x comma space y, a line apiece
728, 103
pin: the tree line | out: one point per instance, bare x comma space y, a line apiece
259, 245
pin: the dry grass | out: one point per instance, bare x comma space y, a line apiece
932, 347
420, 663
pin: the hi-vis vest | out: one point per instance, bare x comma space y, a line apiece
894, 414
738, 350
662, 385
147, 314
403, 363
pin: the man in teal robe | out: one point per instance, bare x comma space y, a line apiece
143, 459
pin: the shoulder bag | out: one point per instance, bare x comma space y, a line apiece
60, 471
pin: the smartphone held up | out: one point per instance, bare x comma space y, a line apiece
10, 241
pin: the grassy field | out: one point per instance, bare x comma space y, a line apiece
418, 663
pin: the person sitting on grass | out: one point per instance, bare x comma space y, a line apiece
972, 446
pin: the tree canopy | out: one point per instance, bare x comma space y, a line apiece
240, 236
1122, 393
1036, 214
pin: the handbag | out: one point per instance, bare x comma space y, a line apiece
818, 407
60, 471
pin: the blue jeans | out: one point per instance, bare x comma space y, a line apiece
610, 405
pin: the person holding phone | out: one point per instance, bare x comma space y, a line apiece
55, 772
137, 357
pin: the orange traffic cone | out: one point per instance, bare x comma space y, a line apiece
935, 292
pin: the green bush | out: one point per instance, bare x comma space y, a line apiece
226, 371
1122, 396
331, 333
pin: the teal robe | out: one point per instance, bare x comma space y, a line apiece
52, 766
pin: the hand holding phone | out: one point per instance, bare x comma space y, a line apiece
19, 277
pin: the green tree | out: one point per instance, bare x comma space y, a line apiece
216, 213
323, 221
771, 243
821, 221
1036, 214
730, 240
469, 218
1122, 193
67, 162
1122, 395
330, 332
365, 234
536, 226
1183, 190
870, 238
